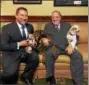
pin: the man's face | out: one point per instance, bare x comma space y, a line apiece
22, 16
56, 18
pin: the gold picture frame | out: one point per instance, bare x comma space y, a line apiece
27, 1
70, 2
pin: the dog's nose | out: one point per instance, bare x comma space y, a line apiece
77, 30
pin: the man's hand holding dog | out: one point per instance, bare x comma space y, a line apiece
23, 43
70, 49
45, 41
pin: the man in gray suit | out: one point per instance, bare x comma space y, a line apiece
58, 31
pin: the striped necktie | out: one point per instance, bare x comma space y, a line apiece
57, 27
23, 32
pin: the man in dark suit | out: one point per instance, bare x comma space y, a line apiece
58, 32
13, 41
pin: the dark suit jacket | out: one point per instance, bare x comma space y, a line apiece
9, 38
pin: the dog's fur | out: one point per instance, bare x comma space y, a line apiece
31, 43
73, 31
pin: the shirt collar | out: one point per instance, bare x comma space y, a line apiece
19, 25
58, 25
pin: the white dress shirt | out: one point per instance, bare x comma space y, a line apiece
20, 28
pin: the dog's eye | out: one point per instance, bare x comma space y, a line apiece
74, 28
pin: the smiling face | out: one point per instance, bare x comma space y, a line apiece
56, 17
22, 16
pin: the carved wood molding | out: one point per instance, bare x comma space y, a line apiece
46, 18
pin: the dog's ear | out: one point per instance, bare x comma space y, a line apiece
75, 27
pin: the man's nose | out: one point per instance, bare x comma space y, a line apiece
54, 20
24, 17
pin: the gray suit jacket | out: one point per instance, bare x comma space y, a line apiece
58, 37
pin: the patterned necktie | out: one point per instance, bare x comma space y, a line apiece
23, 32
57, 27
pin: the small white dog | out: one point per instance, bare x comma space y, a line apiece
31, 43
73, 31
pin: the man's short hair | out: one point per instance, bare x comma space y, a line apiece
57, 12
21, 8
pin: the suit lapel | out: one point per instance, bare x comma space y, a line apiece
53, 29
61, 26
17, 30
28, 28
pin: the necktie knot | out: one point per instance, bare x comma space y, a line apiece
23, 26
57, 27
